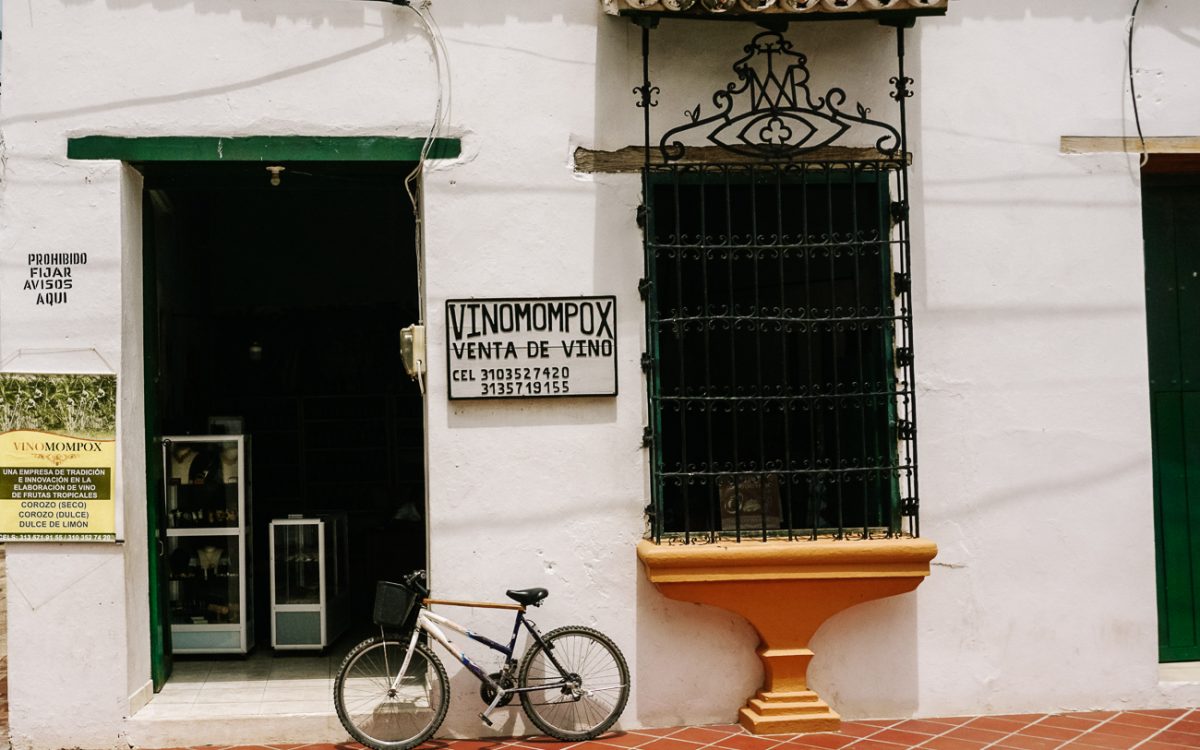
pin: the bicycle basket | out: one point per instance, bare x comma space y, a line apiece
395, 605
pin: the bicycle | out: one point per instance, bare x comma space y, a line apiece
392, 693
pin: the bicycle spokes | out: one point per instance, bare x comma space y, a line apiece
583, 687
391, 710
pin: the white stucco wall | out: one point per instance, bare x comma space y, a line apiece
1030, 332
1035, 444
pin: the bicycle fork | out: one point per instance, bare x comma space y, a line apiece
412, 646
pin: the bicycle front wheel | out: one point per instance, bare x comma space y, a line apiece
385, 712
585, 697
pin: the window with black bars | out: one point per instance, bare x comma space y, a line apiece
779, 362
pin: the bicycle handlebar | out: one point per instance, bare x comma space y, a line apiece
416, 581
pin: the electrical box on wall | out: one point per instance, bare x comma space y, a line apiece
412, 350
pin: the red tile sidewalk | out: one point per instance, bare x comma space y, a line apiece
1171, 729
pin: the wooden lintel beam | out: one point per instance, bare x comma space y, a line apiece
1086, 144
631, 159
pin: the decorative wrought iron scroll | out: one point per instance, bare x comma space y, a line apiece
770, 112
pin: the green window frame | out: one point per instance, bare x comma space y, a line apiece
777, 390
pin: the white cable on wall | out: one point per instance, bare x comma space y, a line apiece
1137, 117
440, 59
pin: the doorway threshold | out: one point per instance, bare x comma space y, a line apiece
260, 699
1179, 671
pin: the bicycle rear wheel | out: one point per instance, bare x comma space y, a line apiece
596, 683
384, 713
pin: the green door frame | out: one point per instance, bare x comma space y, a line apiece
182, 151
161, 662
258, 148
1171, 228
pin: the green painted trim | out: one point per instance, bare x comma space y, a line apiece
162, 662
256, 148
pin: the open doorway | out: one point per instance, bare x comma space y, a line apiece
273, 305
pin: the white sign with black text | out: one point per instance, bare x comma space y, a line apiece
531, 347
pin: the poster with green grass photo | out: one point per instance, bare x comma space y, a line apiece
57, 457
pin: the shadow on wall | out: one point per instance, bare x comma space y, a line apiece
471, 12
1079, 10
865, 664
1175, 18
335, 13
394, 28
694, 664
354, 13
534, 412
395, 23
4, 740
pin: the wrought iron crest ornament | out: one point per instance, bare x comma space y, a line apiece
770, 112
646, 94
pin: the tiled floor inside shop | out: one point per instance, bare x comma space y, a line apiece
260, 684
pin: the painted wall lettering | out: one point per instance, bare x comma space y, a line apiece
52, 275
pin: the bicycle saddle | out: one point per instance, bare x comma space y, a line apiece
527, 596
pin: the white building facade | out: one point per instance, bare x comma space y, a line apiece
144, 129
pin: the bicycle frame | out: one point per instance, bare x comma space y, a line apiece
431, 623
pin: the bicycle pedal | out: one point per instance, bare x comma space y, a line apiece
486, 720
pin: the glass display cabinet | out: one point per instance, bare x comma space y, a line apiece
310, 581
207, 516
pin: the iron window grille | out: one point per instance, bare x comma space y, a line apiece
779, 316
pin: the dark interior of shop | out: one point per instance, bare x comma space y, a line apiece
275, 309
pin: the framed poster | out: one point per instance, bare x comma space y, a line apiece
531, 347
58, 457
